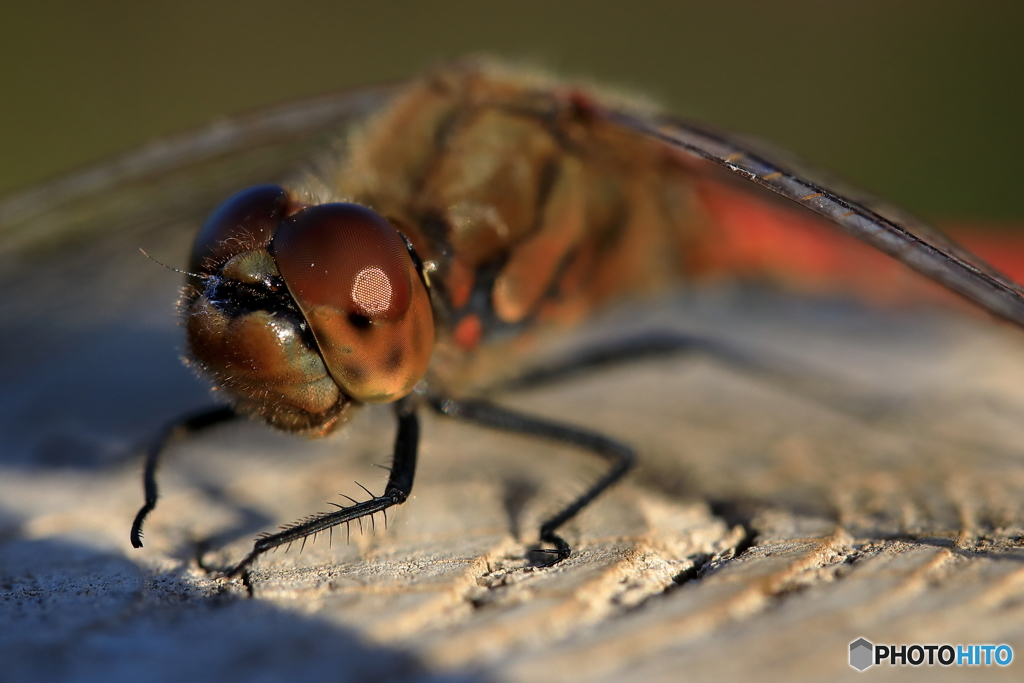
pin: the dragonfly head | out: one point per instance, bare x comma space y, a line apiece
303, 310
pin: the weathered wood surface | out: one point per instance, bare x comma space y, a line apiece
872, 489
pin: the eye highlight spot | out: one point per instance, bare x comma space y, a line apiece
371, 290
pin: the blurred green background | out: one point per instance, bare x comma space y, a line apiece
918, 102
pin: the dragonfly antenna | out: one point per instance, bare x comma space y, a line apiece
176, 270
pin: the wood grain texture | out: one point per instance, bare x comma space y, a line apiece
869, 484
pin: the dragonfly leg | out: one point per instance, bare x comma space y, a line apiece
645, 346
654, 345
178, 429
397, 490
621, 456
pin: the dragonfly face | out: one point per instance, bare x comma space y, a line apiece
301, 310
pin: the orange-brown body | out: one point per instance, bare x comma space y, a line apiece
527, 204
530, 209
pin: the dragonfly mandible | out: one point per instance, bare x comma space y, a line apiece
470, 213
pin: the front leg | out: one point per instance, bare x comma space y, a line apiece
187, 425
397, 490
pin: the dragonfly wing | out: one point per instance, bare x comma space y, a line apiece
182, 174
907, 239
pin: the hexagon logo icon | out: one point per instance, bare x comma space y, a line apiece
862, 654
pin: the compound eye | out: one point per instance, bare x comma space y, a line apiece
244, 222
352, 277
347, 257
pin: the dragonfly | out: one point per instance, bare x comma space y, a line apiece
447, 224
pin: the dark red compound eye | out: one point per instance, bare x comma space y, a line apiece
347, 257
245, 221
352, 277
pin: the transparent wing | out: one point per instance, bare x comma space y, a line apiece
907, 239
184, 173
